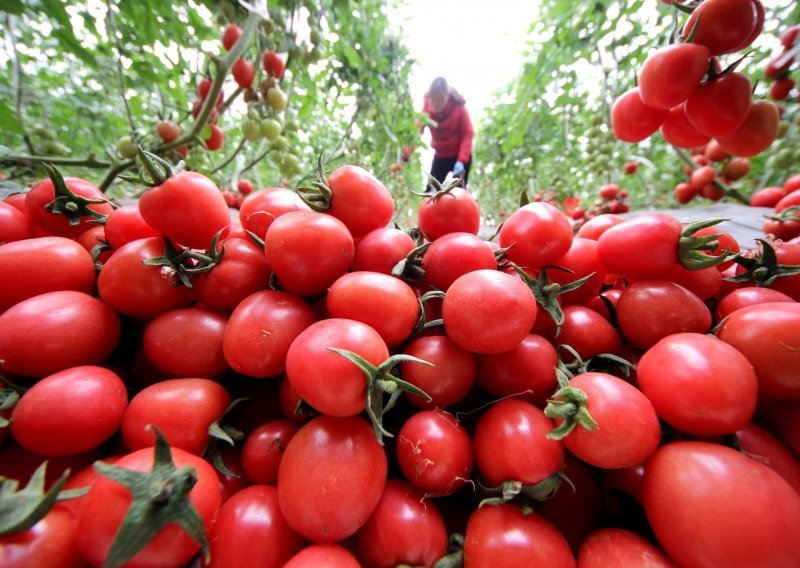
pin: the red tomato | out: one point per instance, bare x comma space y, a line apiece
167, 130
736, 168
608, 190
620, 548
699, 384
383, 302
404, 529
308, 251
756, 134
453, 255
70, 412
55, 331
768, 335
251, 531
216, 138
450, 377
581, 259
788, 253
328, 555
792, 184
724, 26
359, 200
678, 131
50, 542
108, 502
587, 332
632, 120
133, 288
43, 193
125, 224
44, 264
703, 501
331, 478
642, 247
263, 450
714, 152
380, 250
243, 73
670, 74
274, 64
230, 35
780, 89
743, 297
504, 428
262, 207
452, 212
242, 271
627, 430
758, 444
539, 233
188, 208
434, 452
186, 343
720, 106
704, 283
596, 226
182, 409
487, 311
15, 225
505, 536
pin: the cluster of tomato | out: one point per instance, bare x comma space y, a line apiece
779, 68
713, 170
306, 385
684, 92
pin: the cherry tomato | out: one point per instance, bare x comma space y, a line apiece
670, 74
724, 26
678, 131
242, 271
243, 73
620, 548
720, 106
167, 130
742, 297
756, 133
449, 377
539, 233
15, 225
263, 450
328, 555
230, 35
632, 120
757, 443
43, 193
453, 255
452, 212
274, 64
50, 542
642, 247
125, 224
587, 332
359, 200
380, 250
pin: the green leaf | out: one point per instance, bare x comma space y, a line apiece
8, 121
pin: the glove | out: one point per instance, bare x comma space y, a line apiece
458, 169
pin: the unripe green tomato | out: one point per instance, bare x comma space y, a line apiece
55, 148
270, 129
288, 164
292, 125
784, 158
280, 143
783, 128
251, 130
597, 119
276, 98
126, 148
44, 132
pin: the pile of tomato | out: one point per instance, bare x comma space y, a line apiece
308, 385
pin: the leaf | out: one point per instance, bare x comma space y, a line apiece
8, 120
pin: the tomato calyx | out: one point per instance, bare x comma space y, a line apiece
20, 510
455, 553
159, 169
437, 189
317, 194
159, 497
522, 493
219, 433
186, 263
690, 248
72, 206
762, 266
380, 381
409, 269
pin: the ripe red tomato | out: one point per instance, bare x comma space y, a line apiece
331, 478
263, 450
678, 131
243, 73
725, 26
539, 233
450, 377
262, 207
596, 226
70, 412
736, 168
43, 193
274, 64
736, 493
642, 247
756, 133
404, 529
632, 120
742, 297
670, 74
720, 106
684, 193
251, 531
452, 212
788, 254
620, 548
167, 130
242, 271
230, 35
380, 250
453, 255
329, 555
699, 384
767, 196
487, 311
581, 259
215, 139
15, 224
608, 190
757, 443
780, 89
125, 224
50, 542
359, 200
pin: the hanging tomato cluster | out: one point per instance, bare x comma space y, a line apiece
684, 92
713, 169
780, 68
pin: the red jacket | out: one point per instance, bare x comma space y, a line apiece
453, 135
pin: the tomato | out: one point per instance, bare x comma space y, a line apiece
505, 536
788, 253
704, 283
108, 501
251, 531
383, 302
758, 444
450, 376
702, 176
608, 190
125, 224
274, 64
262, 207
724, 26
453, 255
50, 542
70, 412
451, 212
133, 288
632, 120
792, 184
620, 548
167, 130
742, 297
243, 73
580, 261
539, 233
331, 478
182, 409
780, 89
756, 134
782, 230
242, 271
714, 152
528, 368
768, 334
720, 106
404, 529
486, 311
596, 226
699, 384
359, 200
703, 501
308, 251
44, 264
627, 430
649, 310
434, 452
642, 247
678, 131
736, 168
186, 343
263, 450
670, 74
230, 35
15, 225
43, 193
504, 428
55, 331
380, 250
328, 555
343, 391
587, 332
188, 208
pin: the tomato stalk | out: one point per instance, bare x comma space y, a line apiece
518, 491
690, 248
568, 404
185, 263
763, 268
73, 207
455, 553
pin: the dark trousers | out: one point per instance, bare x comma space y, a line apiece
440, 167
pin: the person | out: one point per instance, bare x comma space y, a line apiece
451, 137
